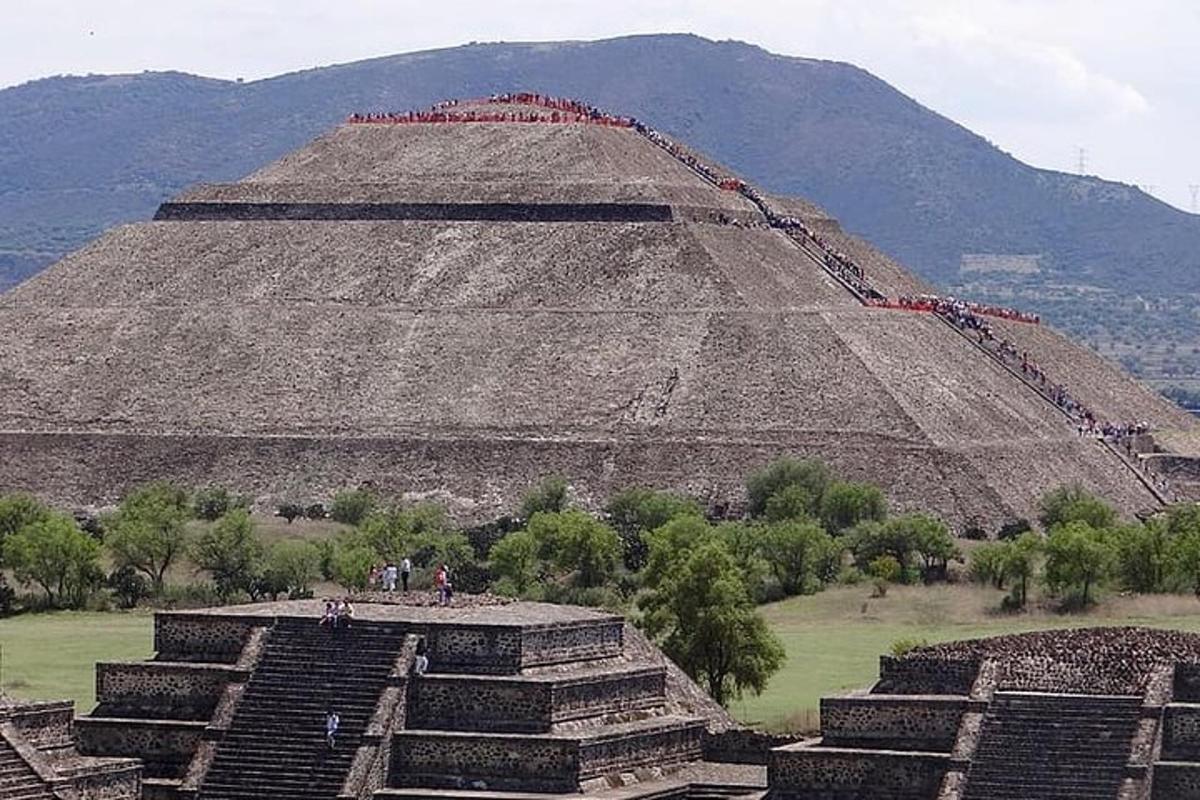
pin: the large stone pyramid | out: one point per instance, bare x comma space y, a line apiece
457, 307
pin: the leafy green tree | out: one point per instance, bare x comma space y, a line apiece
633, 512
932, 542
1143, 556
845, 504
793, 502
1074, 504
671, 544
1185, 558
514, 559
148, 531
351, 506
231, 551
575, 541
706, 623
404, 531
988, 562
1078, 558
291, 567
799, 554
19, 510
744, 542
352, 564
1020, 565
51, 552
213, 502
550, 495
811, 476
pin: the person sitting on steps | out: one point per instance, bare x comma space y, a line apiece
332, 721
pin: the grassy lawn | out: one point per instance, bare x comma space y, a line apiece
53, 656
834, 639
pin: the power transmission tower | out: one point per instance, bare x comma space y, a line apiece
1195, 190
1149, 188
1082, 166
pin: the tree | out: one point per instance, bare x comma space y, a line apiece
1077, 558
793, 502
1019, 565
811, 476
707, 624
844, 505
987, 564
549, 495
352, 564
148, 531
514, 559
213, 502
19, 510
799, 554
352, 506
1074, 504
231, 552
1143, 556
575, 541
51, 552
633, 512
291, 567
932, 542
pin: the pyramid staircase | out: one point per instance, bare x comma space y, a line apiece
1045, 747
18, 780
275, 746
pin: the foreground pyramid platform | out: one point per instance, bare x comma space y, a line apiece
1092, 714
457, 308
518, 699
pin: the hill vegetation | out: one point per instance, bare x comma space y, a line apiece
79, 154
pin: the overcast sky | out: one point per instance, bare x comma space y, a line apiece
1039, 78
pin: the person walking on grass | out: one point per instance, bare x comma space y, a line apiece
332, 721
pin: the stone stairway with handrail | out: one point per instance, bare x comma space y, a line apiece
276, 746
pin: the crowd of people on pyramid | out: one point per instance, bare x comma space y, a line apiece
562, 111
937, 304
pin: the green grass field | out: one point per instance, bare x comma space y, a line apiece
53, 656
834, 639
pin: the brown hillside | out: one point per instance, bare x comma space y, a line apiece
294, 354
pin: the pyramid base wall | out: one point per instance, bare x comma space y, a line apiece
485, 475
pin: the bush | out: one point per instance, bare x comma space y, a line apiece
1013, 528
906, 645
634, 512
315, 511
548, 496
290, 511
352, 506
576, 542
148, 531
213, 502
1073, 504
128, 586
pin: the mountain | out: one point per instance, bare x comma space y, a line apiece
78, 154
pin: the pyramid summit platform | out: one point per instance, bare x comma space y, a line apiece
457, 306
